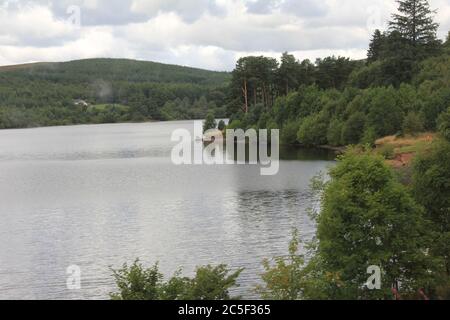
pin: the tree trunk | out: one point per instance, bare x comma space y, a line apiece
245, 92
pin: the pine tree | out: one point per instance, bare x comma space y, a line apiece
375, 47
415, 23
447, 42
287, 73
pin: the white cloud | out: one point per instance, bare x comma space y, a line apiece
200, 33
188, 10
34, 25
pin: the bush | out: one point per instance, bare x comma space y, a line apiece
369, 137
136, 282
387, 151
285, 279
212, 283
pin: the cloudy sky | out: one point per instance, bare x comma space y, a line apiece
208, 34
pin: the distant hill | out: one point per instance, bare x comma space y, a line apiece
41, 94
115, 70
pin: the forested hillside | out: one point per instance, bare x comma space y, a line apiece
401, 88
105, 91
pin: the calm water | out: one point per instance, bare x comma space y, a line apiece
98, 196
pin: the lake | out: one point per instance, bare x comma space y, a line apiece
101, 195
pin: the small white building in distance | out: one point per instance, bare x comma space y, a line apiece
81, 103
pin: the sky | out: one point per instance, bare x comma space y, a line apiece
209, 34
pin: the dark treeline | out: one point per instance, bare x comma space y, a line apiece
402, 87
106, 91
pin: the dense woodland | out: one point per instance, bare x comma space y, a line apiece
46, 94
402, 87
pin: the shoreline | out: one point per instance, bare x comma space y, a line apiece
91, 124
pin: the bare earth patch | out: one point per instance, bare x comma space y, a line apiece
405, 148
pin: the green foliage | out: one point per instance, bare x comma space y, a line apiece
385, 114
334, 134
46, 94
393, 56
136, 282
253, 81
368, 76
369, 137
236, 124
353, 128
221, 125
285, 278
210, 122
415, 23
432, 176
436, 101
368, 218
212, 283
435, 69
431, 188
288, 73
375, 47
354, 115
289, 132
334, 72
444, 124
313, 131
387, 151
260, 80
412, 124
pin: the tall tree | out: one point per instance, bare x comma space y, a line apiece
415, 23
399, 60
254, 79
369, 219
375, 47
306, 73
431, 188
333, 72
240, 81
447, 41
288, 73
267, 68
